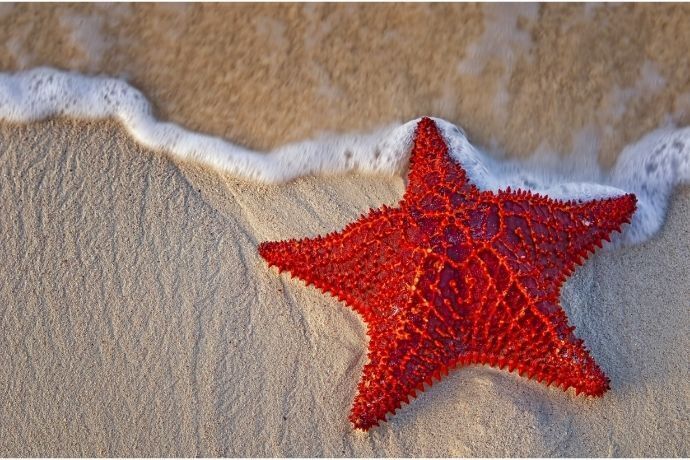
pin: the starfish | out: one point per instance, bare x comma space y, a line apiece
454, 276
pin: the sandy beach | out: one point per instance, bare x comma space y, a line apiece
137, 318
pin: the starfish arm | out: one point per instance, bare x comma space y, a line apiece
588, 225
405, 353
534, 338
378, 392
435, 180
592, 222
361, 270
545, 238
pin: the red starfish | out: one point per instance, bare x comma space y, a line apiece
456, 276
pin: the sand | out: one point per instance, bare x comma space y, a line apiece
137, 319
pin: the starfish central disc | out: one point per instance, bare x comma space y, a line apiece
455, 276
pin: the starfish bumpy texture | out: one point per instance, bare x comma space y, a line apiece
455, 276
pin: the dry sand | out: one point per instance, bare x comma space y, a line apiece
136, 317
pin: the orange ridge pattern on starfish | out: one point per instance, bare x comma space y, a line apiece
454, 276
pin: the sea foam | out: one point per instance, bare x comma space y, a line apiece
650, 168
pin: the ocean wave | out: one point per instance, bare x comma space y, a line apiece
651, 168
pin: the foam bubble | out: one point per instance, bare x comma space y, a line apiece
650, 168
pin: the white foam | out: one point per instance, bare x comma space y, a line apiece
650, 168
